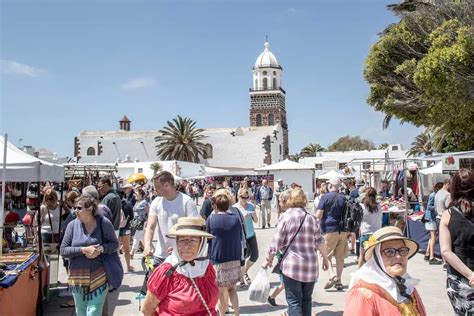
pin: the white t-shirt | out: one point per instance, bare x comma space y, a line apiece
371, 222
168, 213
45, 226
442, 201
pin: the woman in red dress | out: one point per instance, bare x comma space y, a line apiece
185, 284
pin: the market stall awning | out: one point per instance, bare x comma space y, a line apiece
285, 165
437, 168
22, 167
331, 174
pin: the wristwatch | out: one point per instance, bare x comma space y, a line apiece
101, 249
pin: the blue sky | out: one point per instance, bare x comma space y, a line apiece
70, 65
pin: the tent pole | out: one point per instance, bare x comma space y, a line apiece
41, 262
2, 206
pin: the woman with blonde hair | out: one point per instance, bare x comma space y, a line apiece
225, 248
49, 212
298, 238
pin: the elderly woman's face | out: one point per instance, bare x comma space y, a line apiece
395, 257
188, 247
83, 213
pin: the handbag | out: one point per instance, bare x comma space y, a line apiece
112, 265
277, 267
137, 223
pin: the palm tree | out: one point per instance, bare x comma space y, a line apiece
311, 150
383, 146
294, 157
423, 144
180, 140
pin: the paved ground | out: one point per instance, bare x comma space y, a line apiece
431, 288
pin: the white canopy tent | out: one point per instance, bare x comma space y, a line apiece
290, 171
436, 169
21, 167
331, 174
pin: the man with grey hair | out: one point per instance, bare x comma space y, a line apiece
103, 210
263, 196
330, 211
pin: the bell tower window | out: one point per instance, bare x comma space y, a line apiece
271, 119
259, 119
265, 83
274, 83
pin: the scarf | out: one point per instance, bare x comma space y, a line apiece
373, 271
191, 269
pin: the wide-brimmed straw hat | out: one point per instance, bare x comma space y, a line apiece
189, 226
385, 234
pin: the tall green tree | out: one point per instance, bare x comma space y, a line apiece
348, 143
422, 69
180, 140
311, 150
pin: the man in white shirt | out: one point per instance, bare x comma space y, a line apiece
442, 198
166, 208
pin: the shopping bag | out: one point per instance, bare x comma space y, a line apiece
260, 287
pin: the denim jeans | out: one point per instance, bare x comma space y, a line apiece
298, 296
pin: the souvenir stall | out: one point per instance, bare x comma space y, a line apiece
23, 269
406, 199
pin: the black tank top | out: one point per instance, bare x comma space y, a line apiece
462, 239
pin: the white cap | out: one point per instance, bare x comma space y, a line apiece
280, 180
126, 186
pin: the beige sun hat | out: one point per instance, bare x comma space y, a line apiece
385, 234
189, 226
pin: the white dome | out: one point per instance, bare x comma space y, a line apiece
266, 58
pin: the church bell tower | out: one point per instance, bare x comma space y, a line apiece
267, 97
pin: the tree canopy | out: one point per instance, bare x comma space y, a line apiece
422, 69
348, 143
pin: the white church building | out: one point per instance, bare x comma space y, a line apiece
264, 142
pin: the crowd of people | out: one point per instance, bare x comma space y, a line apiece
204, 256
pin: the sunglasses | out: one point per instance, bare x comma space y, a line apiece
391, 252
244, 197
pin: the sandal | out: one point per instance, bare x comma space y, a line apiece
330, 283
339, 286
67, 305
131, 269
247, 279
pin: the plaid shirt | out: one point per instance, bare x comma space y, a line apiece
301, 260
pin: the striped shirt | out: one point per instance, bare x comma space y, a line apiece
301, 260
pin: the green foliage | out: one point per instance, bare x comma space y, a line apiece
422, 69
423, 144
348, 143
311, 150
383, 146
156, 166
294, 157
180, 140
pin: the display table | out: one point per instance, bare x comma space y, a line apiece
416, 231
19, 293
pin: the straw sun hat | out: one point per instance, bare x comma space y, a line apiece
385, 234
189, 226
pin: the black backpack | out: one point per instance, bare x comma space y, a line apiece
352, 217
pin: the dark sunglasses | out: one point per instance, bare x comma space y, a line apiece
391, 252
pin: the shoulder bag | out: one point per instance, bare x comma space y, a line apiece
112, 265
277, 268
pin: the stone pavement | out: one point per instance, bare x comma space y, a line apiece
431, 289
